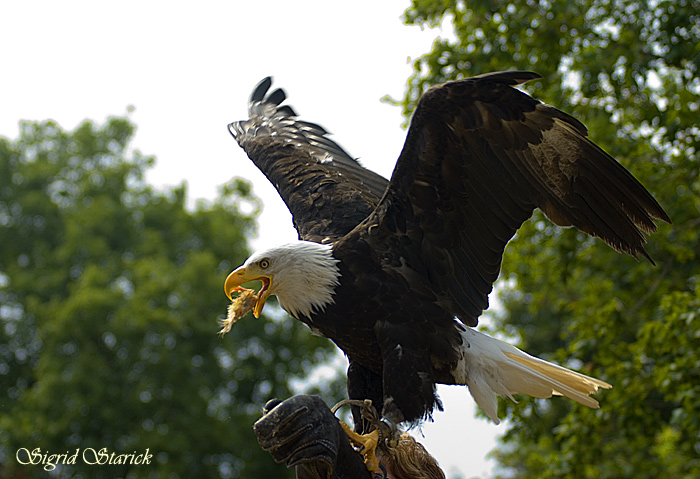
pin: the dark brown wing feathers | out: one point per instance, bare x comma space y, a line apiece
479, 157
327, 191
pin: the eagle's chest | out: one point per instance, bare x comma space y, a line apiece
351, 326
354, 320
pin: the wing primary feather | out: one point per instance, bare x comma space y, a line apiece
633, 190
286, 110
276, 97
260, 90
629, 195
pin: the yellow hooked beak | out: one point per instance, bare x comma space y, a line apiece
240, 276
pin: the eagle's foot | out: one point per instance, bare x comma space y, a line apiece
367, 444
385, 432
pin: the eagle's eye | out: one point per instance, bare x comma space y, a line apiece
264, 263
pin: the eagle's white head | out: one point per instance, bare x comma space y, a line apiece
303, 275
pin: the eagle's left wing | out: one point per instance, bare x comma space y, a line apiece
479, 157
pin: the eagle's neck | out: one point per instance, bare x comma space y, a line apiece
309, 280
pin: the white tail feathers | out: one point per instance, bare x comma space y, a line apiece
489, 367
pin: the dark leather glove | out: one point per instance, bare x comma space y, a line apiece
303, 433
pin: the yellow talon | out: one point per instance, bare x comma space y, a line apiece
367, 443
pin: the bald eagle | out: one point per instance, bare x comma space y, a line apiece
397, 272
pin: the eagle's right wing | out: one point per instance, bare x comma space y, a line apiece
326, 190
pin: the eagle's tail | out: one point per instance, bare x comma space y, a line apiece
489, 367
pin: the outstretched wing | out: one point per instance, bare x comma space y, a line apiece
327, 191
479, 157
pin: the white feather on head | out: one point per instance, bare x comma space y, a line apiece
303, 274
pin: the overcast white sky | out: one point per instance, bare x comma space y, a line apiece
188, 68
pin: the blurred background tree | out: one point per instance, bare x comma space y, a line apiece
629, 71
110, 292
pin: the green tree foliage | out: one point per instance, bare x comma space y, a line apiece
629, 70
110, 293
